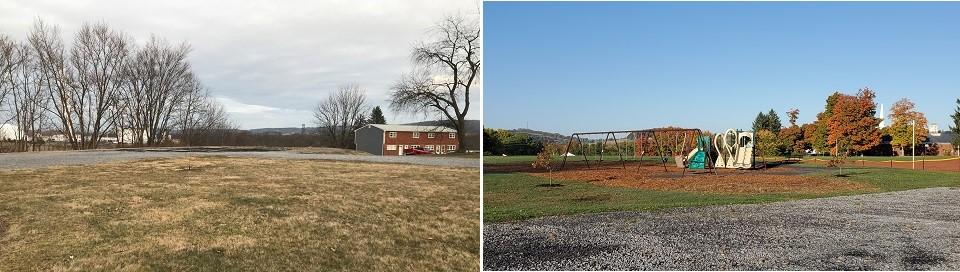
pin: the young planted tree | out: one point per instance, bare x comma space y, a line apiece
340, 114
906, 124
446, 69
376, 116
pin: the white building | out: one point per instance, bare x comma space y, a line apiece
8, 132
934, 129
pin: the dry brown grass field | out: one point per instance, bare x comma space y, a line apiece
221, 213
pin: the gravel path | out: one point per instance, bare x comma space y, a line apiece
57, 158
908, 230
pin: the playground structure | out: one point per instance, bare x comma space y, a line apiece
689, 148
735, 149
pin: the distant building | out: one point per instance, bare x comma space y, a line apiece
393, 139
8, 132
943, 143
933, 129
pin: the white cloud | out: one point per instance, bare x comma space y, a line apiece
267, 54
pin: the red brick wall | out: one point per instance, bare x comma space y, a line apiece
406, 138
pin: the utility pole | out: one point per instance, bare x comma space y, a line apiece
913, 148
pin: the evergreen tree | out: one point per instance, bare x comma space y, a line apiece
773, 123
769, 121
760, 122
376, 116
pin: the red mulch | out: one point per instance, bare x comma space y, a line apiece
654, 177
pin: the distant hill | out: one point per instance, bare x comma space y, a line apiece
283, 130
542, 135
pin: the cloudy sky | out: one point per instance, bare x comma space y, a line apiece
268, 62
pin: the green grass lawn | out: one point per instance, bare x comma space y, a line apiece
515, 196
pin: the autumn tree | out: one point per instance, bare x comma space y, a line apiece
815, 134
901, 129
792, 116
852, 124
767, 143
792, 137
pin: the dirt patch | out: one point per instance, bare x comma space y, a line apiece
774, 180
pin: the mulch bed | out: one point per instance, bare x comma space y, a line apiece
772, 180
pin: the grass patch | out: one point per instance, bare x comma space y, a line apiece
240, 214
517, 196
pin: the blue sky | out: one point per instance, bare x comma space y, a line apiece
579, 66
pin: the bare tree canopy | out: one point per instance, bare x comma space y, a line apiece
102, 85
341, 113
97, 56
447, 66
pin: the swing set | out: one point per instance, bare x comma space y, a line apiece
690, 148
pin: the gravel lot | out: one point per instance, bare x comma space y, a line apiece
908, 230
57, 158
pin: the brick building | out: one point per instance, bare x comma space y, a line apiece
393, 139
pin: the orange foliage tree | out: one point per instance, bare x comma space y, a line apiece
852, 126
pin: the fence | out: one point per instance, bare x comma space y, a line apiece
922, 163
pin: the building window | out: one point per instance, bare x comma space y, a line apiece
451, 147
452, 135
430, 147
416, 134
431, 135
391, 147
393, 134
415, 146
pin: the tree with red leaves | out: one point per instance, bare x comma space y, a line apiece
852, 123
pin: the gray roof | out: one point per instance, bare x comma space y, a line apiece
945, 137
411, 128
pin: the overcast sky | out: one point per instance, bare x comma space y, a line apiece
268, 62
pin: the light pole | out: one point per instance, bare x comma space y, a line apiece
913, 148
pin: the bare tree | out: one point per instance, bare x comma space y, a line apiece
9, 60
28, 99
97, 58
55, 76
156, 80
201, 120
341, 113
446, 69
